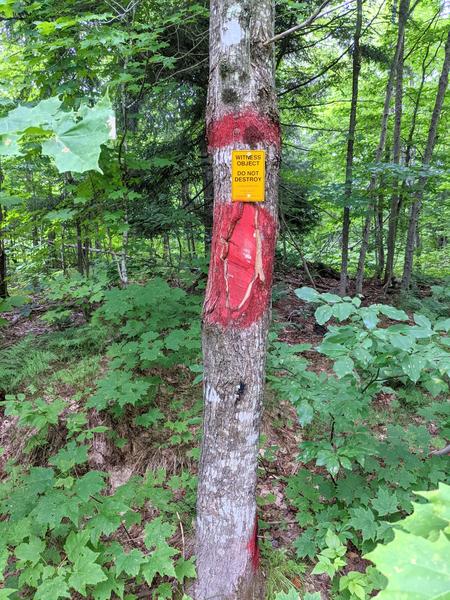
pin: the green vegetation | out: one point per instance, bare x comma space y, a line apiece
106, 209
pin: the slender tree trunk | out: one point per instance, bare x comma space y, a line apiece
80, 260
167, 253
241, 115
86, 256
397, 146
52, 261
343, 284
3, 284
382, 140
417, 204
208, 196
63, 249
379, 241
123, 267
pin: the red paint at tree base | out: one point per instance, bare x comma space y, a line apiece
240, 275
248, 127
253, 547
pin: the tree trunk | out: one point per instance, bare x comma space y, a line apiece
87, 256
80, 260
379, 238
397, 146
208, 196
52, 259
417, 204
3, 284
241, 114
382, 140
343, 284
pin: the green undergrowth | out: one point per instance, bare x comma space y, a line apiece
129, 378
65, 529
367, 421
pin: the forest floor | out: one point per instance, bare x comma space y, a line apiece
144, 448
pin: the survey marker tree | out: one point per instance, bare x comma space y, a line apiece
241, 116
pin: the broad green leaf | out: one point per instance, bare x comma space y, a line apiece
159, 563
89, 485
331, 298
413, 365
86, 572
65, 214
439, 500
52, 589
25, 117
393, 313
70, 456
369, 317
185, 569
164, 591
31, 551
305, 544
424, 521
9, 144
385, 503
422, 321
129, 563
73, 140
75, 146
416, 568
400, 341
75, 544
305, 413
104, 590
343, 310
6, 593
323, 314
157, 532
307, 294
329, 460
443, 325
343, 366
363, 519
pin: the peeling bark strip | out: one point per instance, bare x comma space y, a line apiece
241, 115
240, 280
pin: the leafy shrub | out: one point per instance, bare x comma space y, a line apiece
435, 306
416, 561
76, 291
155, 326
59, 533
360, 469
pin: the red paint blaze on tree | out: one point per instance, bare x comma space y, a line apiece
248, 128
252, 546
241, 264
244, 234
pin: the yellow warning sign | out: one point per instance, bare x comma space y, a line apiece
248, 173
